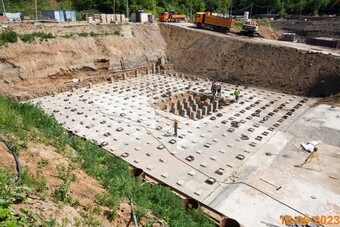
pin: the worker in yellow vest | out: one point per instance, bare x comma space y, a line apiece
237, 94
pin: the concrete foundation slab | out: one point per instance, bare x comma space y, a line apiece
229, 151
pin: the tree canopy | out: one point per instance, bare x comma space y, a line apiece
282, 7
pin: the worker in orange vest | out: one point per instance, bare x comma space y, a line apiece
206, 102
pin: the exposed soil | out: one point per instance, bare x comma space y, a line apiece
34, 69
246, 62
309, 27
84, 189
56, 65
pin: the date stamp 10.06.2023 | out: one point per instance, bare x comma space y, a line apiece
316, 219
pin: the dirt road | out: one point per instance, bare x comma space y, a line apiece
257, 40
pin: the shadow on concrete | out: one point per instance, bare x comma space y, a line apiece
269, 224
325, 85
231, 223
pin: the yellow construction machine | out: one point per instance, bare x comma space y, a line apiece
250, 28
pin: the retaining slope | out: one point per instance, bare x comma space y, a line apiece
235, 61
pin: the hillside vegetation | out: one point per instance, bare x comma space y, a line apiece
283, 7
24, 124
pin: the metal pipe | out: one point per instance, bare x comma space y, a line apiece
3, 6
133, 213
36, 10
127, 9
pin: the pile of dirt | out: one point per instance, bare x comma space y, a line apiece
268, 33
45, 163
250, 63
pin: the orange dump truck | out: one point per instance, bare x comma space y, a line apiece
216, 23
171, 16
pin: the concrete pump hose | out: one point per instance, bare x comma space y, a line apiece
19, 169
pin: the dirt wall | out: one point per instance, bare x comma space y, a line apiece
34, 69
310, 27
246, 63
42, 67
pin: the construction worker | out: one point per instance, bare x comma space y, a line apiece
213, 88
206, 102
175, 127
237, 94
218, 88
198, 100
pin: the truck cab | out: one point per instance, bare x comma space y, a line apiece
199, 19
163, 16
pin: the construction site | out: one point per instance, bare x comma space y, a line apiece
241, 161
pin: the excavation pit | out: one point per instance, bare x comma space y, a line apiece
208, 153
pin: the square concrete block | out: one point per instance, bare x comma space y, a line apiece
198, 192
240, 157
103, 144
125, 154
214, 158
161, 147
149, 168
220, 171
165, 175
210, 180
192, 173
204, 164
173, 141
180, 182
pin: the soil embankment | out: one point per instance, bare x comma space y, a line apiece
40, 68
43, 67
310, 27
244, 62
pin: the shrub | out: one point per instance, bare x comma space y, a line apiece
68, 36
83, 34
31, 37
92, 34
9, 36
118, 28
27, 38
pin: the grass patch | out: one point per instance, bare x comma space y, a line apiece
83, 34
29, 38
8, 36
9, 194
113, 172
118, 29
92, 34
67, 36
